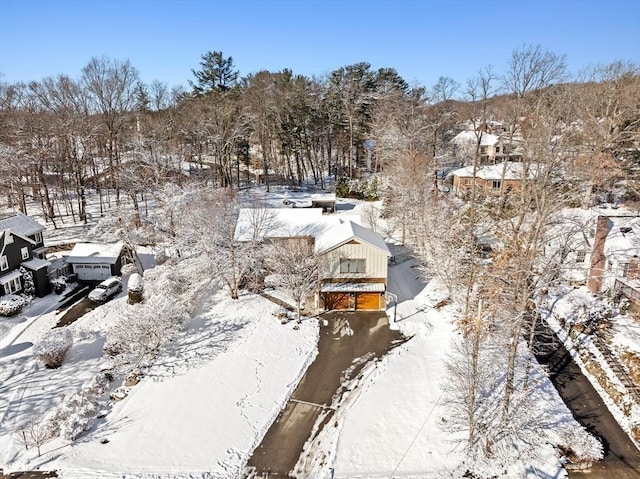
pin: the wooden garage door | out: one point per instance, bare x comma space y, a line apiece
336, 301
368, 301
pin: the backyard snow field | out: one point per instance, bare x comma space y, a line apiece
200, 410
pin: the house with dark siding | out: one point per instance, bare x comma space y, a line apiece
22, 246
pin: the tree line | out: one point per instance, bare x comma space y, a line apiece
108, 134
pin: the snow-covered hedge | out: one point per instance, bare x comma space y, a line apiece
12, 304
77, 412
53, 347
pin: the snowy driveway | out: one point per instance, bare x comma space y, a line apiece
348, 341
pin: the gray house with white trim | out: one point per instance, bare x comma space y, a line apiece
22, 245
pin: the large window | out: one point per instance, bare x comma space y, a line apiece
350, 265
496, 184
13, 286
4, 264
25, 252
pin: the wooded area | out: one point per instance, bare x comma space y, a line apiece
108, 133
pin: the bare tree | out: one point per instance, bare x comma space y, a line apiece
294, 267
112, 88
207, 227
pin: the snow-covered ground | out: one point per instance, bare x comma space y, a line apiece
624, 333
212, 394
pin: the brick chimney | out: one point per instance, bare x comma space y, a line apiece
598, 259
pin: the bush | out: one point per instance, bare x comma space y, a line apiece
58, 284
53, 347
10, 305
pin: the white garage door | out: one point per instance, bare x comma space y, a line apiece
92, 272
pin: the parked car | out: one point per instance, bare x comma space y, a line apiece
109, 287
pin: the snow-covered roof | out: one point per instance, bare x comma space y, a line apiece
259, 223
36, 264
488, 139
344, 232
7, 238
494, 172
21, 224
95, 253
10, 276
323, 197
623, 241
352, 287
465, 137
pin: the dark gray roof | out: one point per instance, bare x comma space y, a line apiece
21, 224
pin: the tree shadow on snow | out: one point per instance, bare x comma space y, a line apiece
205, 339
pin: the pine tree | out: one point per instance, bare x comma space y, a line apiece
217, 73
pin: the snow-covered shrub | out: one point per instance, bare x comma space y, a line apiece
12, 304
97, 385
53, 347
144, 327
579, 446
135, 289
77, 412
58, 284
135, 283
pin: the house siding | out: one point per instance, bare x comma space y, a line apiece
375, 263
14, 255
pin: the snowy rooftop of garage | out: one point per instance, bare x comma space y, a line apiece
95, 253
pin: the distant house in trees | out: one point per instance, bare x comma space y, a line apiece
491, 148
22, 245
353, 259
490, 179
97, 262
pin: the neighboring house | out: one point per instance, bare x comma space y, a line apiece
22, 245
491, 150
615, 261
489, 179
97, 262
353, 259
353, 268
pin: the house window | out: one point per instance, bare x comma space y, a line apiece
350, 265
38, 237
25, 252
497, 149
483, 149
624, 269
4, 264
496, 184
13, 286
580, 256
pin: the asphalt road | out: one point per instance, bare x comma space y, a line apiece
622, 458
346, 337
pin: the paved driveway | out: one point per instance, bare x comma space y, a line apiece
345, 337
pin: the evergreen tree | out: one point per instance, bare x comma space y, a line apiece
217, 73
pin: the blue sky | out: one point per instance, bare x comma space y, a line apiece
423, 40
